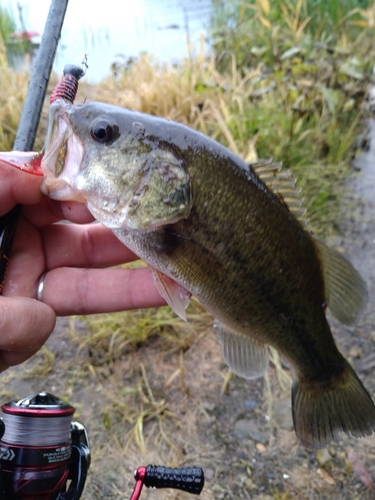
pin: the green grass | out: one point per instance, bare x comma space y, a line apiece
264, 29
7, 25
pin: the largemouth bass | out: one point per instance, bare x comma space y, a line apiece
209, 226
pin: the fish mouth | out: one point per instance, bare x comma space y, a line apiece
63, 155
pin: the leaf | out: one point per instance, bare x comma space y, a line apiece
200, 87
106, 420
264, 21
258, 51
264, 5
290, 53
327, 478
350, 68
363, 24
360, 470
332, 98
349, 105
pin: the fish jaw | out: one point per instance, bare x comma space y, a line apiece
63, 157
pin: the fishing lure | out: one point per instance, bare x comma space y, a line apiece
68, 85
66, 89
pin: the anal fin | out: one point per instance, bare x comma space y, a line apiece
246, 357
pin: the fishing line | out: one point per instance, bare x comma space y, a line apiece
35, 430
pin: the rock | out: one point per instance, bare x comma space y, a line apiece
245, 428
332, 451
323, 456
250, 403
209, 474
282, 414
260, 447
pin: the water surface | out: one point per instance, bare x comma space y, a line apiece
117, 30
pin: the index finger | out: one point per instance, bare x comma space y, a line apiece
89, 245
17, 186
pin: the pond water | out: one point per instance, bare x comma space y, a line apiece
120, 29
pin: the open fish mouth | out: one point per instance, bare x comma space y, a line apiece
63, 156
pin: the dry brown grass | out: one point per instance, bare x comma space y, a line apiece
12, 95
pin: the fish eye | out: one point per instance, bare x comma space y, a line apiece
102, 131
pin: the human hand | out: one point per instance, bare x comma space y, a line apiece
73, 258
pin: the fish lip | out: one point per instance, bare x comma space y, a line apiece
63, 155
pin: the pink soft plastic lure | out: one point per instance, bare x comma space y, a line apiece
30, 161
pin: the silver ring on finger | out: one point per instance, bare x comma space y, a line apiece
40, 287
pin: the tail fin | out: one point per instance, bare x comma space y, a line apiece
319, 412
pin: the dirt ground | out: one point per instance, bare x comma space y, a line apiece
154, 405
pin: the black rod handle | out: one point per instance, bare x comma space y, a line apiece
190, 479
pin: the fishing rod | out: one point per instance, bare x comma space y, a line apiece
30, 117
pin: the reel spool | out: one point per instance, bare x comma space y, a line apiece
41, 449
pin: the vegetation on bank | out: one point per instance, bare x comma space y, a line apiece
262, 30
7, 25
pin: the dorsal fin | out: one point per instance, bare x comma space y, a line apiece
282, 183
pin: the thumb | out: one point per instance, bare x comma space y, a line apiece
25, 324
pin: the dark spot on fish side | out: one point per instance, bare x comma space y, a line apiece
167, 242
134, 201
173, 148
167, 172
142, 188
138, 130
147, 167
178, 196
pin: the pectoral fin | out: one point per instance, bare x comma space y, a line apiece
245, 356
345, 290
176, 296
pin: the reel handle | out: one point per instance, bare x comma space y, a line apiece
190, 479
